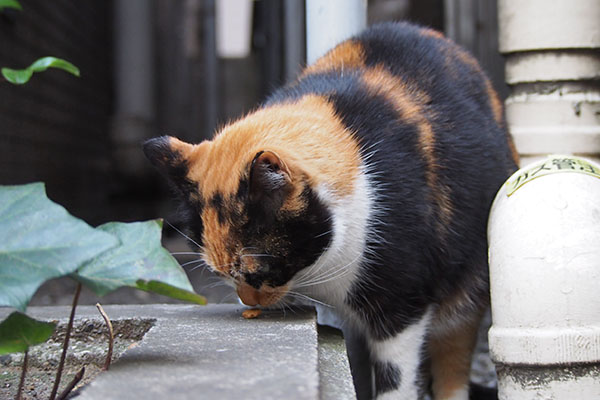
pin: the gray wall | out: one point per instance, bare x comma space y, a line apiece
53, 129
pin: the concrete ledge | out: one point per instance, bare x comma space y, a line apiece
212, 352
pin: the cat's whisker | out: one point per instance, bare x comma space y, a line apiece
197, 266
326, 276
248, 248
256, 255
324, 233
333, 276
305, 297
217, 282
186, 253
192, 262
224, 299
183, 234
203, 263
311, 271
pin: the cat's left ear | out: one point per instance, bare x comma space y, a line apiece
270, 180
170, 156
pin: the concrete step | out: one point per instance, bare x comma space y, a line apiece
212, 352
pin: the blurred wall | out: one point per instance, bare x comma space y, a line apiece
53, 129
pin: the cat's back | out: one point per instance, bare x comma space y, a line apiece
421, 60
430, 95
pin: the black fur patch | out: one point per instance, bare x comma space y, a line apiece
190, 212
387, 377
169, 163
218, 204
293, 241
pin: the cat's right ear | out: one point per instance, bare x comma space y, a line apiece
170, 156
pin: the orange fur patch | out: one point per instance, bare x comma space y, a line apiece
432, 33
513, 150
216, 238
451, 355
348, 54
410, 105
495, 103
494, 100
300, 133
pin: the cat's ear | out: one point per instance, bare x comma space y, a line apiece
270, 180
170, 156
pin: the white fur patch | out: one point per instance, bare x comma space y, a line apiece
332, 275
404, 351
460, 394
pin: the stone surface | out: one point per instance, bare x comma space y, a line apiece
212, 352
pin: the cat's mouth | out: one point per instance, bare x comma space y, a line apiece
264, 296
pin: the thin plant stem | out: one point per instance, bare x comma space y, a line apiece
71, 384
23, 372
111, 337
63, 356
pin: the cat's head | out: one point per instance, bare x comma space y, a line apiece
250, 208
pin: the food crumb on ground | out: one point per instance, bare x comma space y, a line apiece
251, 313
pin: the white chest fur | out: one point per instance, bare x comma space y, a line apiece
331, 277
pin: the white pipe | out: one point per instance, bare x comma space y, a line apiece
134, 54
544, 255
329, 22
135, 106
552, 64
234, 28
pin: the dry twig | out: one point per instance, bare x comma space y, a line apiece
72, 384
65, 344
23, 372
111, 337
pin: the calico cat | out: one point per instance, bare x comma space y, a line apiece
365, 185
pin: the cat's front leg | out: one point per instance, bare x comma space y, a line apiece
397, 362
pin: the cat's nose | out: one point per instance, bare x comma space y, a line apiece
248, 294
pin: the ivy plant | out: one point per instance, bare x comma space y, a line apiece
21, 76
40, 240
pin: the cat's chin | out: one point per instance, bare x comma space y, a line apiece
264, 296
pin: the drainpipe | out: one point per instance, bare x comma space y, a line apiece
544, 238
134, 85
553, 69
328, 22
544, 227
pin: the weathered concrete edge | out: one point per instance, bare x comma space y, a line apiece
335, 378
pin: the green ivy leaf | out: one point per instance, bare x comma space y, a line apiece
17, 76
171, 291
40, 240
10, 4
21, 76
18, 332
140, 262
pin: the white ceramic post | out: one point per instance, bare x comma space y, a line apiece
544, 238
